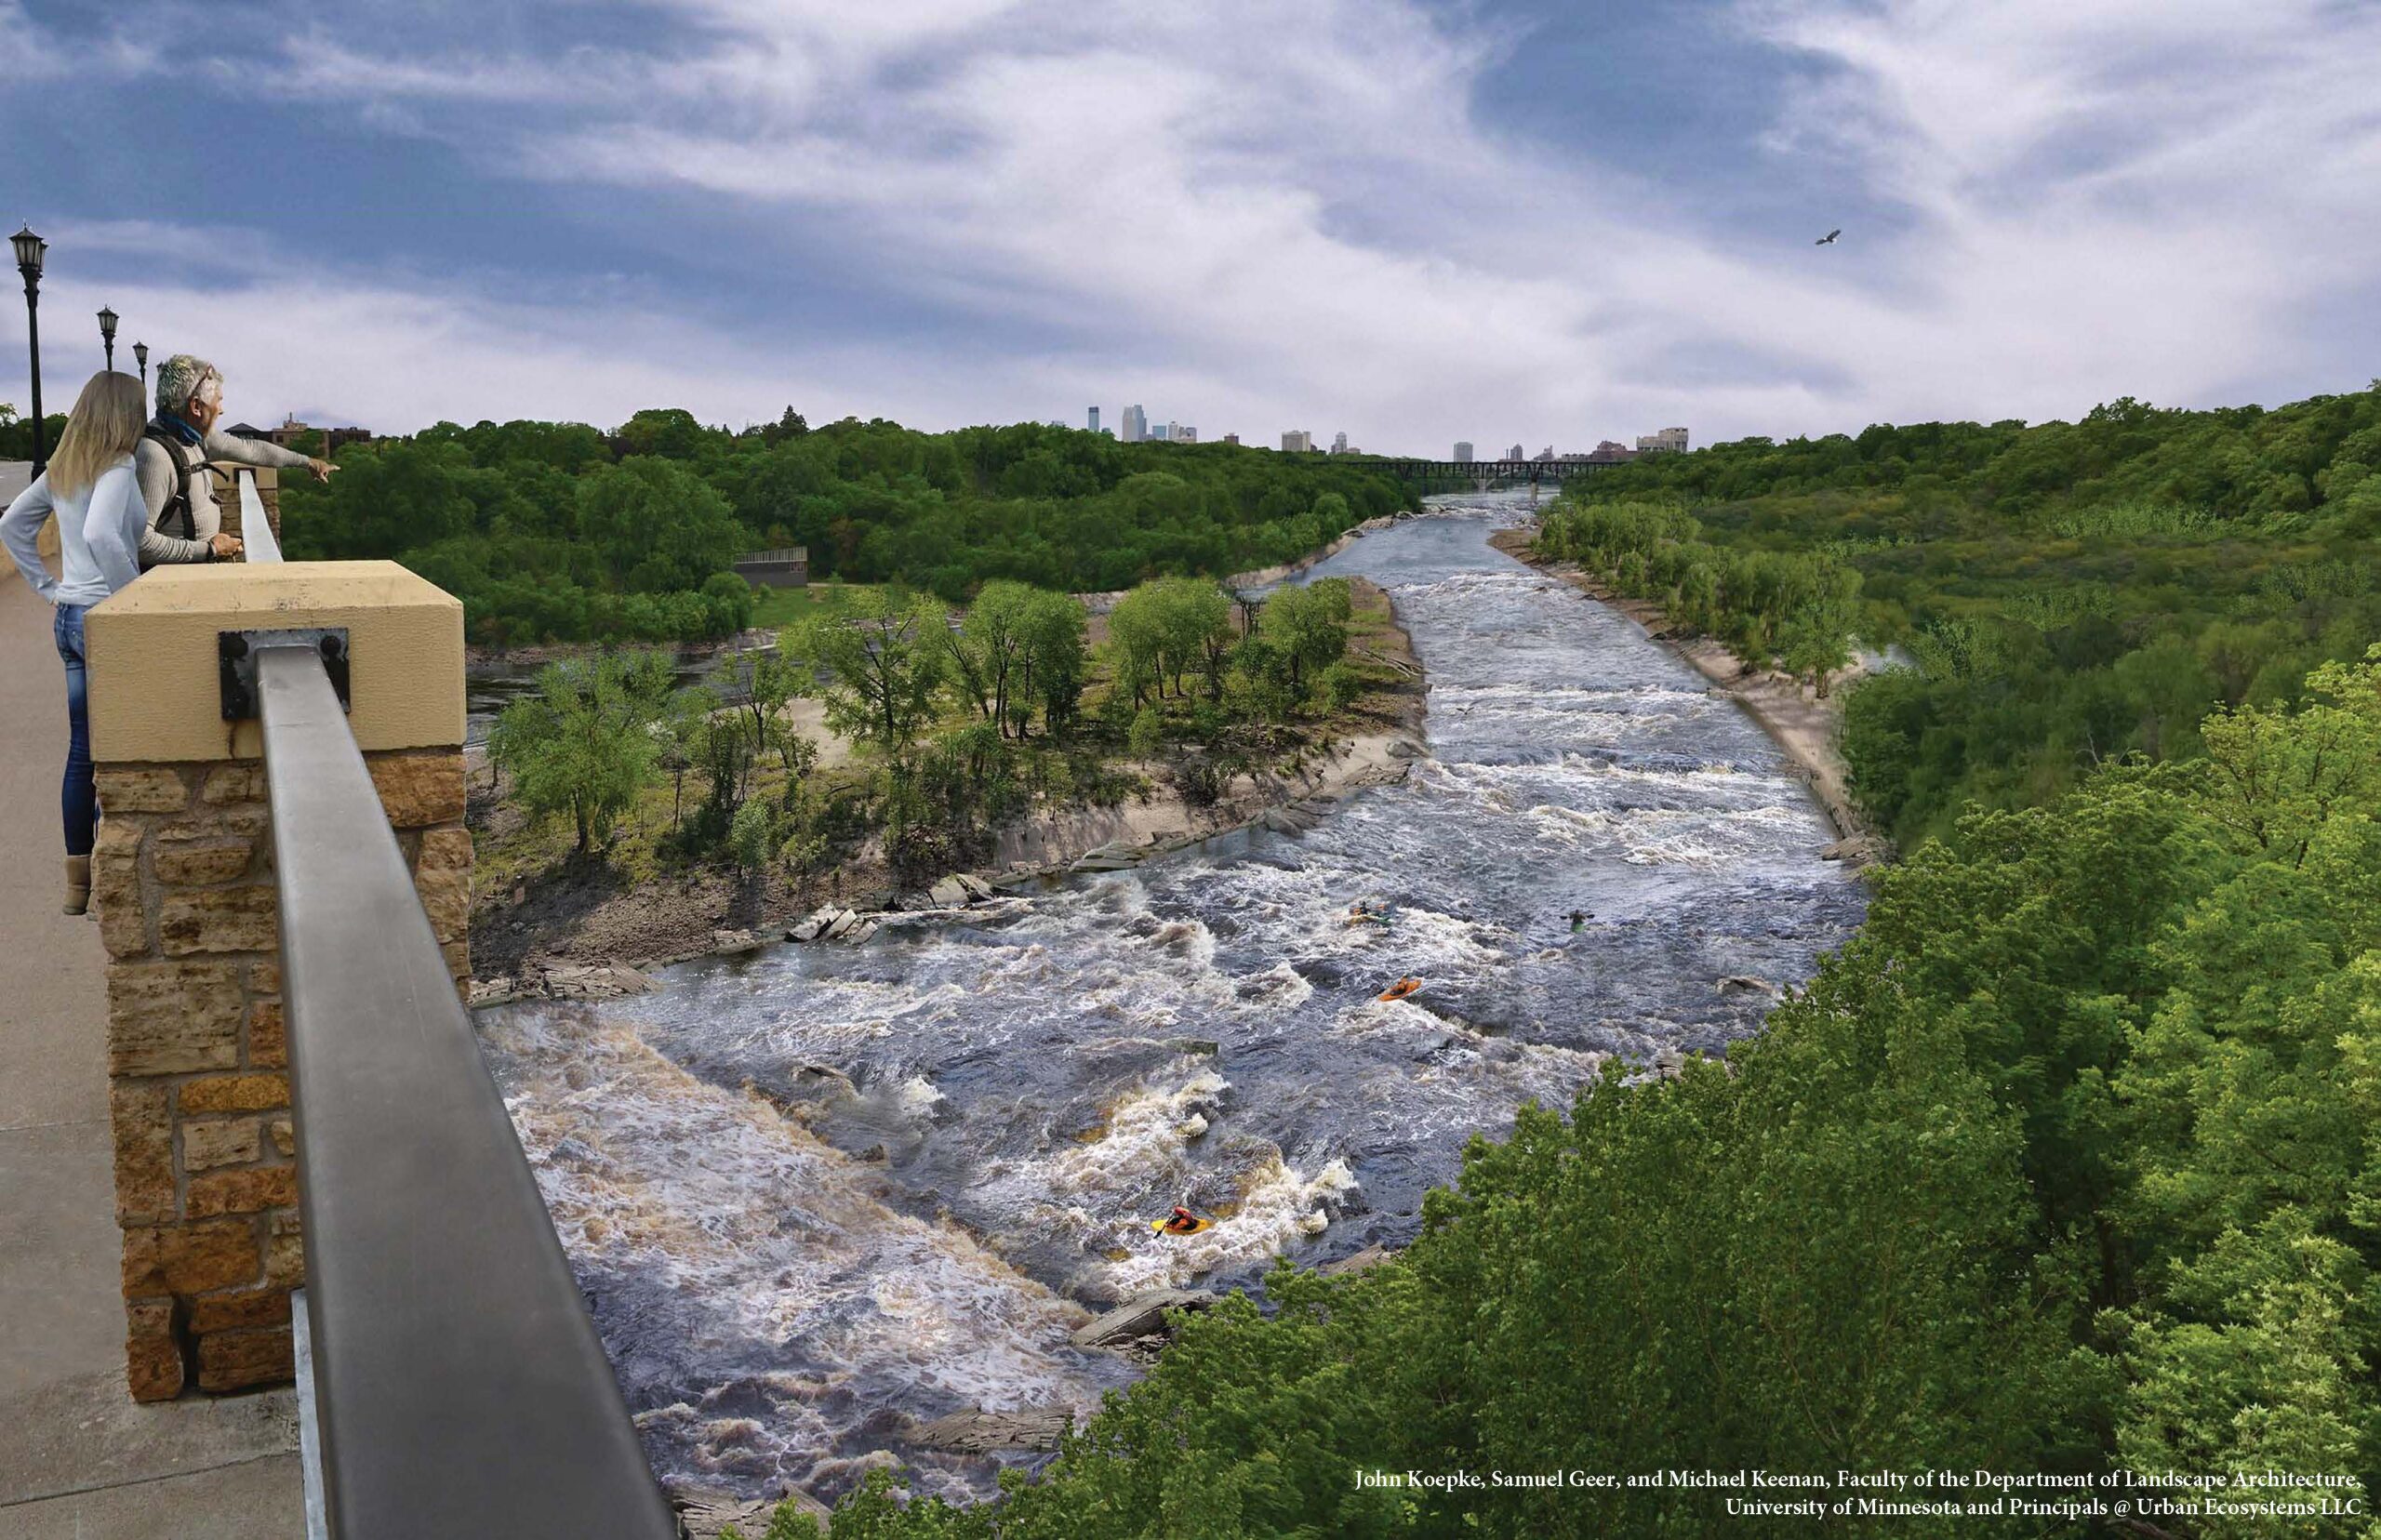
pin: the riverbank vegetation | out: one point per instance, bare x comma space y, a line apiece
887, 742
556, 532
2067, 594
2063, 1168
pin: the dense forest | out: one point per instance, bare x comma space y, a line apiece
555, 531
2069, 593
2059, 1169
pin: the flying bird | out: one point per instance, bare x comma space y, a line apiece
1828, 239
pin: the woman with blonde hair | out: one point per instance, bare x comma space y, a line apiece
90, 487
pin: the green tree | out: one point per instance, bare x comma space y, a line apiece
657, 526
886, 657
1308, 624
581, 745
1055, 662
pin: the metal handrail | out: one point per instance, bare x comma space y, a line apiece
459, 1386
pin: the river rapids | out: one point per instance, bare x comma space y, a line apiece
822, 1193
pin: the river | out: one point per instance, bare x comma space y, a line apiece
825, 1188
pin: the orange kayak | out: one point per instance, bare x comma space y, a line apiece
1399, 989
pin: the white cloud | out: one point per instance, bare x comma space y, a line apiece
1255, 214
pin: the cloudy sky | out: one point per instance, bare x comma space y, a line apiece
1412, 220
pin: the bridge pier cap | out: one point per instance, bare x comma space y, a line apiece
206, 1157
153, 665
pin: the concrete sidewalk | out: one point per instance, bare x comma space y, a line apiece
79, 1459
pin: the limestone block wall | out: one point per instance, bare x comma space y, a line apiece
206, 1183
207, 1177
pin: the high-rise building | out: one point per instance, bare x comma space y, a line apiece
1462, 452
1338, 444
1514, 453
1231, 438
1668, 441
1136, 424
1094, 419
1297, 440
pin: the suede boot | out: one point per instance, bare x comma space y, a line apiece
79, 883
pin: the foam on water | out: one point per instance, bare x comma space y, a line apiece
754, 1288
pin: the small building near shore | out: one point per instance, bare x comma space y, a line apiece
789, 567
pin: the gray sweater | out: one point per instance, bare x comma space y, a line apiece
152, 463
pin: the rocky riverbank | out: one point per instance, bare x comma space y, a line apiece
584, 930
1805, 725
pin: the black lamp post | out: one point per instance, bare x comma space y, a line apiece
30, 247
141, 351
106, 334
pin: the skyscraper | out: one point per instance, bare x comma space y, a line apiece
1338, 444
1514, 453
1668, 441
1297, 440
1462, 452
1094, 419
1136, 424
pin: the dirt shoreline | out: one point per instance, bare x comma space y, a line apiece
1803, 726
584, 916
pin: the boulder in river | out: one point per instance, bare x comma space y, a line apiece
813, 927
593, 981
976, 887
1363, 1261
975, 1431
841, 925
728, 943
948, 893
1745, 983
1856, 851
1143, 1315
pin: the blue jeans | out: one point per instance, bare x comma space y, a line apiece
78, 796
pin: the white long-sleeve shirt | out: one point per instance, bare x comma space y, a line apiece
99, 536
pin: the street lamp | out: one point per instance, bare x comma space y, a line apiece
141, 351
30, 247
106, 334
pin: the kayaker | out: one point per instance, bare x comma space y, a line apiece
1182, 1222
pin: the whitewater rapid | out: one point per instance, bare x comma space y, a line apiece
825, 1194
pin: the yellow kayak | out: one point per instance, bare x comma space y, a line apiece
1159, 1226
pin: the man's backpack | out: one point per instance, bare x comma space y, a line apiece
180, 502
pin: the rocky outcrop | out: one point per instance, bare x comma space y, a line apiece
563, 981
702, 1513
835, 923
976, 1431
1133, 1323
1859, 850
1363, 1261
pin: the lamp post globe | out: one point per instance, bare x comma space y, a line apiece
30, 251
107, 334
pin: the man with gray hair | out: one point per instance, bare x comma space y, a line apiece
184, 523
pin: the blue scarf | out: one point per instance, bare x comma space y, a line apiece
177, 427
